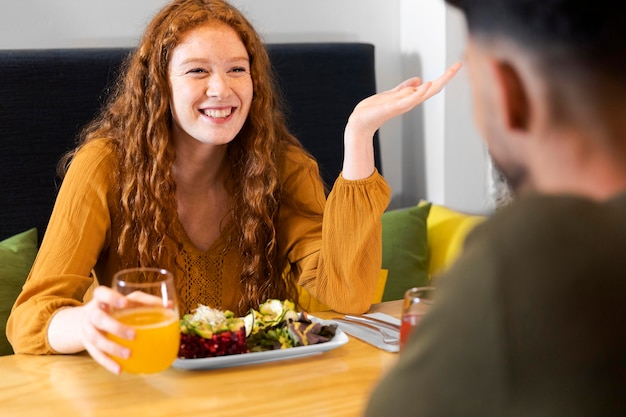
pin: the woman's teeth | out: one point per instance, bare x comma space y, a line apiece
218, 113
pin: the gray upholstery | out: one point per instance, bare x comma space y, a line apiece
46, 96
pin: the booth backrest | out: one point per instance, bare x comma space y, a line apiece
47, 96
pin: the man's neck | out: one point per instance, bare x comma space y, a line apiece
570, 163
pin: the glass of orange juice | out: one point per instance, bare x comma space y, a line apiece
152, 311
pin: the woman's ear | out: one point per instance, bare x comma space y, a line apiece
513, 95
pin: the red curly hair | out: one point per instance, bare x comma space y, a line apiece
137, 121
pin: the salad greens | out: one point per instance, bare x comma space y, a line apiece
277, 325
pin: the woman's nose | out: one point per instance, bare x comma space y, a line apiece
218, 85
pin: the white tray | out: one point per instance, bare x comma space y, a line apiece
227, 361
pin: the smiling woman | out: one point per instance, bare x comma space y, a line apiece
190, 167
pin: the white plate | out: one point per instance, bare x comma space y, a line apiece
227, 361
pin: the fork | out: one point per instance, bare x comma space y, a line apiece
387, 338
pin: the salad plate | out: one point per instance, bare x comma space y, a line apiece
251, 358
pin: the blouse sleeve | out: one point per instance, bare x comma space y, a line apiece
334, 246
76, 234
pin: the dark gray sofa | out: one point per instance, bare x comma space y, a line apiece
46, 96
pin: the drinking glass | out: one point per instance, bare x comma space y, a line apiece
416, 303
152, 311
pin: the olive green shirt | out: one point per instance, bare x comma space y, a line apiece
531, 320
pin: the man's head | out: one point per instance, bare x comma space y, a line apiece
544, 71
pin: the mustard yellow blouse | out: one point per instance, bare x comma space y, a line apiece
335, 256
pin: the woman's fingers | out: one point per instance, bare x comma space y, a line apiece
105, 361
102, 349
107, 297
411, 82
420, 92
371, 113
440, 82
99, 322
435, 87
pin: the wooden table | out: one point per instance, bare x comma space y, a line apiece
335, 383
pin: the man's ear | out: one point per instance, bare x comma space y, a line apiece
513, 95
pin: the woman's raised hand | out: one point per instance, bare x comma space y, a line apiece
373, 112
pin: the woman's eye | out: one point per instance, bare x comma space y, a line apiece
239, 70
197, 71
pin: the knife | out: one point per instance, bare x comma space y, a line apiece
388, 338
374, 321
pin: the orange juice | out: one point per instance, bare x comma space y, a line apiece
157, 336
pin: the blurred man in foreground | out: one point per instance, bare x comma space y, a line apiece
531, 321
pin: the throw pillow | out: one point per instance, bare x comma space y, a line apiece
17, 255
447, 229
405, 250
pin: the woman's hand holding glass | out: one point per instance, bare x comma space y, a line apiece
133, 327
95, 322
151, 311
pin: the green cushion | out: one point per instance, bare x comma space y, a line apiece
405, 250
17, 255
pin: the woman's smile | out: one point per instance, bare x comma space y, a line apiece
222, 113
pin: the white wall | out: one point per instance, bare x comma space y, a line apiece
467, 175
433, 152
441, 134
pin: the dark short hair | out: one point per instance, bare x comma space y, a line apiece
588, 33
